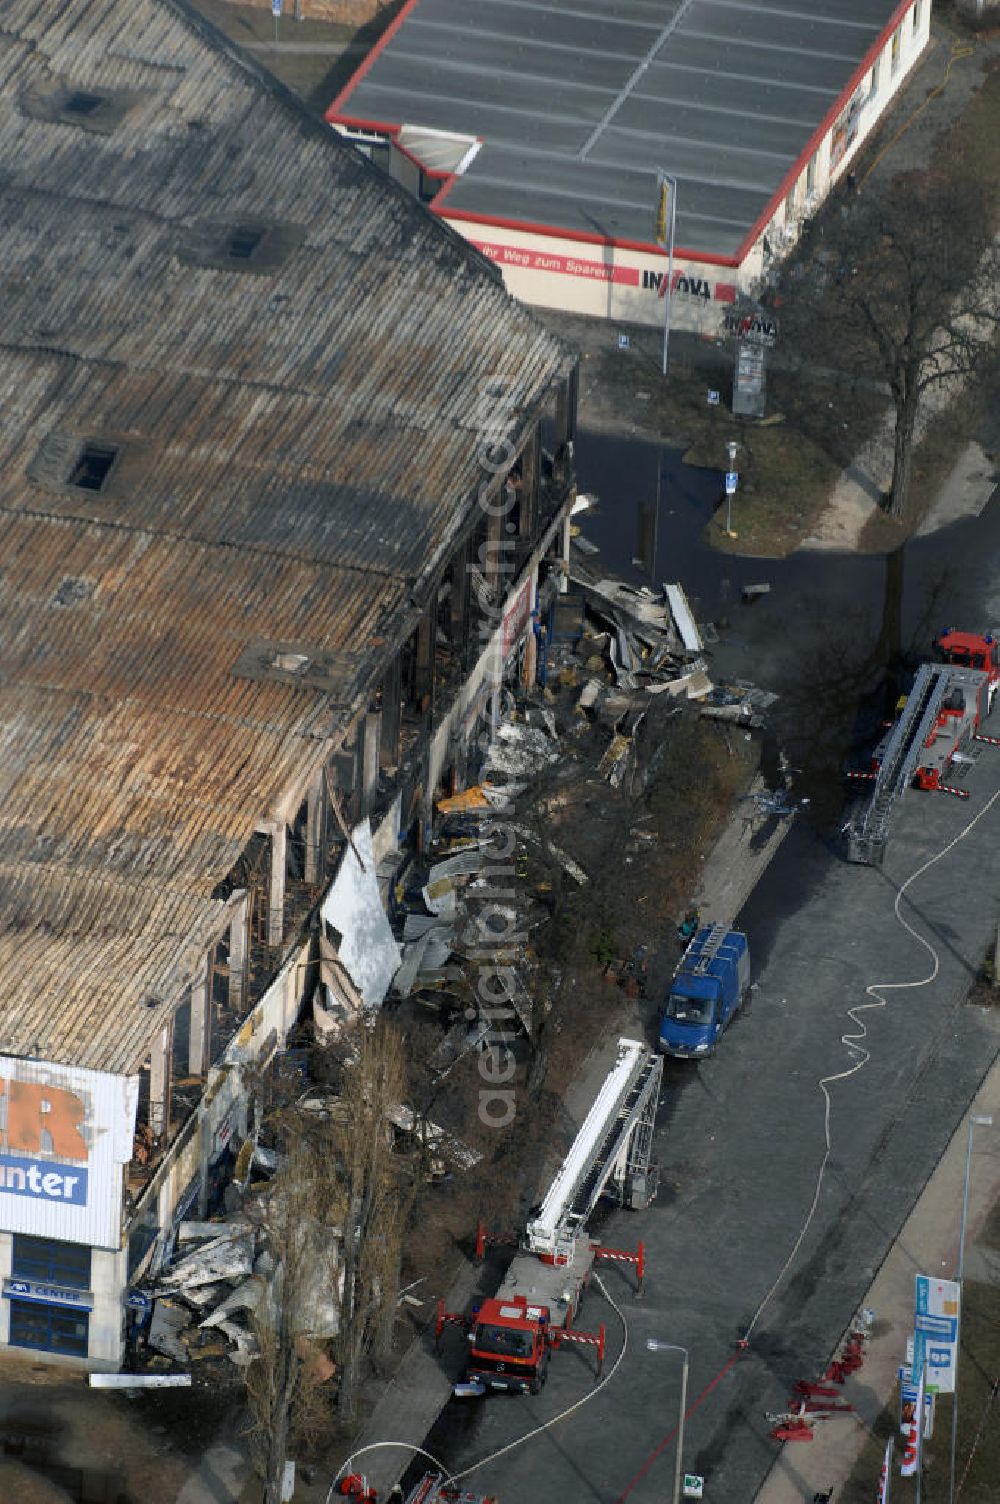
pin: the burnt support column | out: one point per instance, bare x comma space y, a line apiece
530, 669
566, 409
493, 549
161, 1060
276, 891
238, 936
423, 668
372, 735
200, 1032
204, 1159
392, 694
458, 601
315, 829
564, 563
530, 469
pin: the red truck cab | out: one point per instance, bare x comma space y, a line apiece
971, 650
509, 1345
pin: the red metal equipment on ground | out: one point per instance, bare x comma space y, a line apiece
512, 1334
933, 737
432, 1489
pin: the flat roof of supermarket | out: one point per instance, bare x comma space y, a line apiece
578, 102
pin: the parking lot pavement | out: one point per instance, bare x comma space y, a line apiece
741, 1143
927, 1244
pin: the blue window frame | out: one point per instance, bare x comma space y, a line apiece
49, 1262
49, 1329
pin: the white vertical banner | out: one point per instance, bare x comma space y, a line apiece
882, 1497
935, 1345
912, 1434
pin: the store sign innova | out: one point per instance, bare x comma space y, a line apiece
64, 1135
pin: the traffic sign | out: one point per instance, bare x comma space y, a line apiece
731, 479
276, 8
694, 1486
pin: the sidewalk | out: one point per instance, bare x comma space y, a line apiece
927, 1244
739, 859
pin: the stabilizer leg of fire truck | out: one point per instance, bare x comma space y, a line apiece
444, 1318
582, 1339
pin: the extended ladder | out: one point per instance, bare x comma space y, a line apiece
867, 835
613, 1147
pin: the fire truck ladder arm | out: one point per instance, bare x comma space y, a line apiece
899, 759
612, 1148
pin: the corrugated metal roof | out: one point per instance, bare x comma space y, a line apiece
296, 453
579, 102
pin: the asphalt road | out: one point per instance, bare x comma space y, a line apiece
740, 1141
741, 1137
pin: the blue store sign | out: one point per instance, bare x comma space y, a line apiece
47, 1295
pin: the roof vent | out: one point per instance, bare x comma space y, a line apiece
256, 246
82, 103
72, 590
302, 664
96, 109
244, 243
92, 467
291, 663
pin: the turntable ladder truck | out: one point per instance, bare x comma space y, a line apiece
933, 734
511, 1335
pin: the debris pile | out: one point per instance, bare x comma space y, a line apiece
206, 1285
447, 905
616, 663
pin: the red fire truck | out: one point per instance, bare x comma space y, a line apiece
511, 1335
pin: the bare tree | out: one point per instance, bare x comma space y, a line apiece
370, 1175
334, 1218
303, 1205
899, 288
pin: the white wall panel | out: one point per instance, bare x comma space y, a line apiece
65, 1134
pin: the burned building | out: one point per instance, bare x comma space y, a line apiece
274, 514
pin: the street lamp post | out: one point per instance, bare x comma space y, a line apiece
656, 1346
665, 226
731, 447
977, 1120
